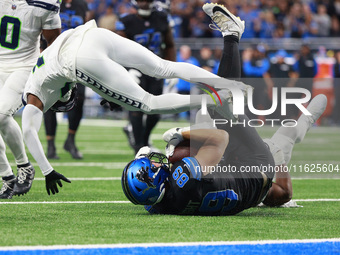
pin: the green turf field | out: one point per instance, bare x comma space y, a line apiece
93, 209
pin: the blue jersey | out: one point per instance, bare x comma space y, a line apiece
218, 193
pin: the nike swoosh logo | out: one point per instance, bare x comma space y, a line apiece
224, 12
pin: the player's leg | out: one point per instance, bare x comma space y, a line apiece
50, 120
281, 145
286, 137
10, 102
8, 178
113, 82
232, 29
74, 118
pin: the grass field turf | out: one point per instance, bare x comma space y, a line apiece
114, 221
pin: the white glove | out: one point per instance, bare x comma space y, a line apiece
143, 152
173, 137
135, 74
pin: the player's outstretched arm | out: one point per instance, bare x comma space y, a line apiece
31, 122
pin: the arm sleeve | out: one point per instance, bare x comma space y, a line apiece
31, 122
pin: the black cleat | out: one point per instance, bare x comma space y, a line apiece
6, 191
52, 152
24, 179
73, 150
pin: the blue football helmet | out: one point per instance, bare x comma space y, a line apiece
143, 182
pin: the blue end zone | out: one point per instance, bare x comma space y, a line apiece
315, 248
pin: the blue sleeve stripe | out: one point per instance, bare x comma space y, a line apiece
194, 167
46, 6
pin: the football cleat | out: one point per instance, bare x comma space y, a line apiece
316, 107
226, 108
24, 179
6, 191
51, 152
223, 20
72, 149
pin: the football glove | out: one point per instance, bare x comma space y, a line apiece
51, 181
173, 137
143, 152
107, 104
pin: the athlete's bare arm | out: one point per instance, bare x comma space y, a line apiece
51, 35
214, 143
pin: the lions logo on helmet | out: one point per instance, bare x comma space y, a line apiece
143, 181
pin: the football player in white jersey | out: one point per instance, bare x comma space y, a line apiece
96, 57
22, 22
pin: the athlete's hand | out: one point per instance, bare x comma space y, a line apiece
108, 104
173, 137
52, 179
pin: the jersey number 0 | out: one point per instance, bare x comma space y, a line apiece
10, 32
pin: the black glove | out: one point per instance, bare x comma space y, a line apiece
111, 105
51, 181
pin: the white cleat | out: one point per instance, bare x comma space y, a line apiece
226, 108
223, 20
316, 107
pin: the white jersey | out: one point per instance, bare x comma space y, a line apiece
21, 24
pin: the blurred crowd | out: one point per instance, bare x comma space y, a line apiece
264, 18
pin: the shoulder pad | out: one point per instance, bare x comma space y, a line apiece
49, 5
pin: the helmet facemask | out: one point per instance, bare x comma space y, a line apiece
143, 179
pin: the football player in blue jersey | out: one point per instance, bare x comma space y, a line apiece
150, 28
22, 22
233, 168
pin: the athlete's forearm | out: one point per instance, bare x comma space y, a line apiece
31, 122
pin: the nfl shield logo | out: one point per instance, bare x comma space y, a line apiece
14, 6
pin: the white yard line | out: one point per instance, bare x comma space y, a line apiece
146, 245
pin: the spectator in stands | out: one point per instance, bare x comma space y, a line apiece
250, 14
109, 19
305, 67
255, 66
206, 59
323, 20
281, 74
184, 87
336, 109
